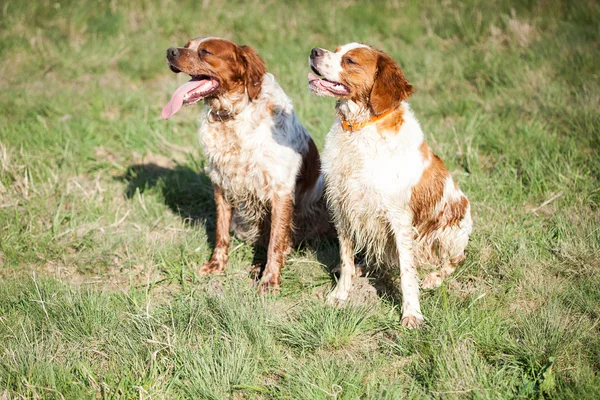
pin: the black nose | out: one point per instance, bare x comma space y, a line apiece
172, 53
316, 52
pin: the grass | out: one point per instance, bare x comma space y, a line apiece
104, 216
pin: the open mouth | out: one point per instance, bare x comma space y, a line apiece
325, 87
191, 92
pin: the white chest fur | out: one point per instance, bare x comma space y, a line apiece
259, 152
369, 178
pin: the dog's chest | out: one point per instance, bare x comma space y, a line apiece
248, 163
368, 176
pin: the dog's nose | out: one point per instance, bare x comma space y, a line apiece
316, 52
172, 53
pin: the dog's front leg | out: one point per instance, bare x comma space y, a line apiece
282, 209
220, 257
409, 283
347, 270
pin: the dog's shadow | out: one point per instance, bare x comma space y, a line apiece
187, 192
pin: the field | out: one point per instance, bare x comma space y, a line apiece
105, 214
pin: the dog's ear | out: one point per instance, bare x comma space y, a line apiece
390, 87
255, 69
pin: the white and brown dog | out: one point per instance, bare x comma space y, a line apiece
263, 164
389, 194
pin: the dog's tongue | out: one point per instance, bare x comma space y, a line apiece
311, 77
321, 82
177, 99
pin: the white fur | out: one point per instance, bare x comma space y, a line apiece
194, 43
257, 154
369, 177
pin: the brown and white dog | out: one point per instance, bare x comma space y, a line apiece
389, 194
263, 164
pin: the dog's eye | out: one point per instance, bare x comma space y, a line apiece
204, 52
349, 61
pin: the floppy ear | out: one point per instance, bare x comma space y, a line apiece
390, 87
255, 69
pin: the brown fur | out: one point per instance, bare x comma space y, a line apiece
279, 242
454, 212
391, 123
220, 257
237, 68
358, 76
254, 70
390, 87
428, 192
310, 170
374, 79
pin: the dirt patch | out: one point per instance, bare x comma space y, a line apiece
115, 278
363, 292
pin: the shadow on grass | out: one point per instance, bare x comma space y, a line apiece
186, 192
189, 194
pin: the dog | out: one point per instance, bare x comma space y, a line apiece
390, 196
263, 164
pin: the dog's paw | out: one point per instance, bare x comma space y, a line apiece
431, 281
337, 296
212, 267
269, 284
412, 321
256, 271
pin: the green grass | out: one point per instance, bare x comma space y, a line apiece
104, 218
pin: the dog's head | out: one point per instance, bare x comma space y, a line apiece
218, 67
357, 72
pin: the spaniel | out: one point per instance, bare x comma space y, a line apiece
263, 164
390, 196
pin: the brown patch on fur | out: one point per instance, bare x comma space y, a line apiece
390, 87
425, 151
428, 192
235, 67
359, 76
279, 241
454, 212
374, 79
220, 257
254, 70
310, 170
392, 123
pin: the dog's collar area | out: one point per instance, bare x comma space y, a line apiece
219, 116
356, 126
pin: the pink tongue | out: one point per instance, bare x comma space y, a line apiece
321, 82
177, 99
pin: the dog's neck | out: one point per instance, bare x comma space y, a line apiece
354, 117
227, 106
352, 113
